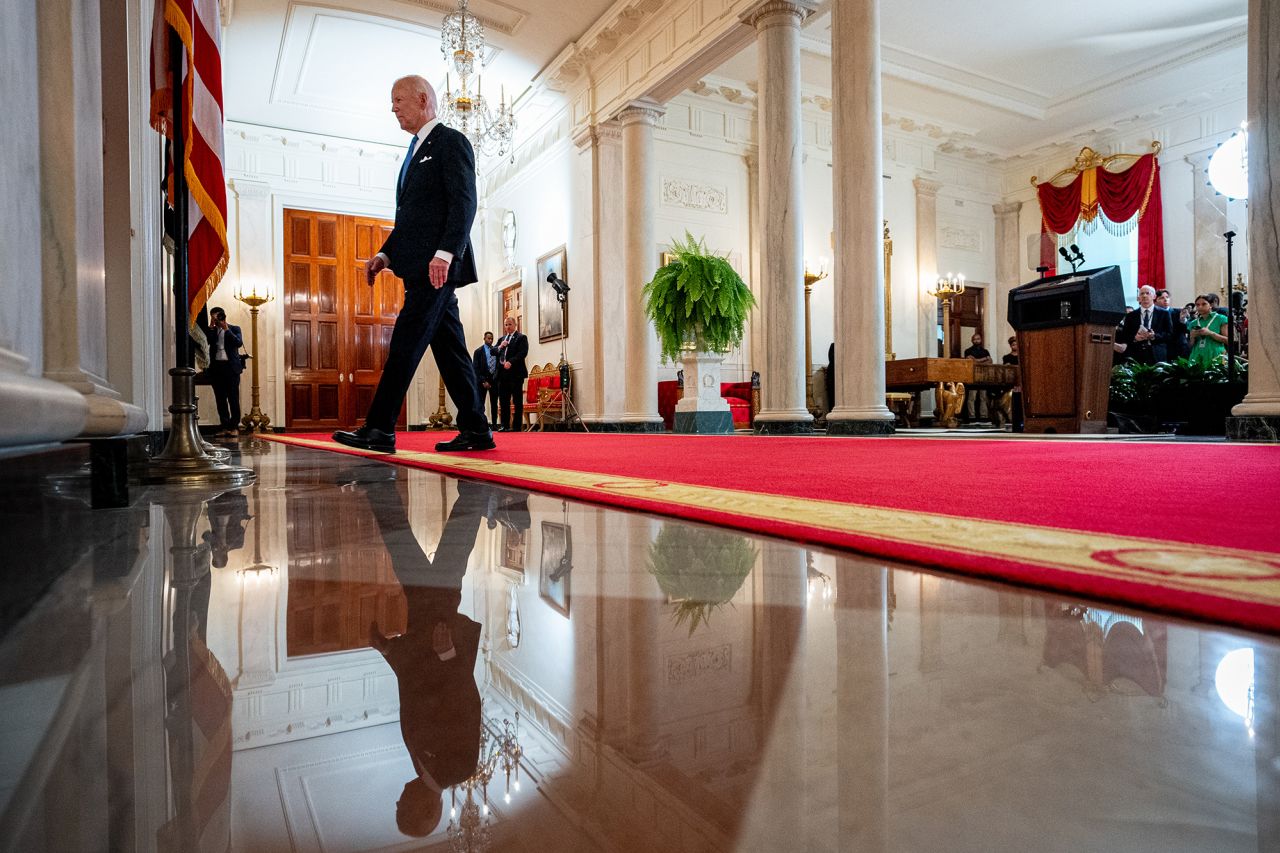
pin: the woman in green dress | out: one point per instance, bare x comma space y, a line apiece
1205, 330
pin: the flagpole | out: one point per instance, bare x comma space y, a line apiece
184, 459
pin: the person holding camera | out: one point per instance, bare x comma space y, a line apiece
513, 349
225, 366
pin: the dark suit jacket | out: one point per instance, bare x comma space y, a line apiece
1148, 352
435, 207
1179, 344
515, 352
482, 365
234, 342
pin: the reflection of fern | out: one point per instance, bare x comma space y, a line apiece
701, 569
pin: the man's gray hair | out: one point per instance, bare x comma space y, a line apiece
419, 85
1147, 287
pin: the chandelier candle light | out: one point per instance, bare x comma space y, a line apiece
462, 43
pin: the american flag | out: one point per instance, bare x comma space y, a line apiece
198, 25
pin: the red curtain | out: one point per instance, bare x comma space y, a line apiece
1120, 196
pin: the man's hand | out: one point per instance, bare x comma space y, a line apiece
439, 271
372, 267
441, 639
484, 384
506, 365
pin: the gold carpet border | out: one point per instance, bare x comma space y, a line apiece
1223, 572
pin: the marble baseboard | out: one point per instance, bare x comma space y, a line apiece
1262, 428
796, 427
627, 426
868, 427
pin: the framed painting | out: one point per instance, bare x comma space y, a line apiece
552, 323
557, 566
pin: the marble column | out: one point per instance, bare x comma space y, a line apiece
857, 162
73, 254
781, 236
1209, 218
49, 411
757, 323
1258, 417
1008, 269
927, 262
640, 406
600, 211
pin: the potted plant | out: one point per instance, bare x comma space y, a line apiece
698, 304
700, 569
1195, 398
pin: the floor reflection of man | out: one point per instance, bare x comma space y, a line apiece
434, 659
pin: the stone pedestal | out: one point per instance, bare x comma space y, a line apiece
857, 161
702, 409
1257, 418
783, 410
640, 412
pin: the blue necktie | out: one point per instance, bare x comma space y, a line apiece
404, 167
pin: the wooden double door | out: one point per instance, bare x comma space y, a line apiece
337, 328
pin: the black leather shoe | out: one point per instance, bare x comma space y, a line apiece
367, 438
467, 441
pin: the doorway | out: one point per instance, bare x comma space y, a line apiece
336, 328
968, 314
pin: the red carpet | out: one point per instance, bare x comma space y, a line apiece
1185, 528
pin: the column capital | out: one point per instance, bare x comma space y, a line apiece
752, 159
1200, 159
1007, 208
250, 189
773, 13
926, 186
596, 134
641, 111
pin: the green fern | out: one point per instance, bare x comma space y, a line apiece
697, 297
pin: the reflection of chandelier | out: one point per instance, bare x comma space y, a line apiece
500, 750
462, 43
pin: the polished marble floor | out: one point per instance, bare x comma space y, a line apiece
332, 658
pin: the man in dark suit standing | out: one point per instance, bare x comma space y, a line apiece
225, 367
1146, 331
430, 248
513, 349
485, 361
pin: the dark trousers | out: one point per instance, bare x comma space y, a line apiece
492, 393
225, 381
429, 318
511, 395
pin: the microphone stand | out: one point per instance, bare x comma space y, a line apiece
1231, 313
566, 375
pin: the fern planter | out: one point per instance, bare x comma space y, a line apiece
698, 305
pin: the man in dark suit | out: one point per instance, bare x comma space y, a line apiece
430, 248
225, 367
1146, 332
513, 349
1179, 345
434, 659
485, 361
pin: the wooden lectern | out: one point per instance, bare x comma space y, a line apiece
1066, 326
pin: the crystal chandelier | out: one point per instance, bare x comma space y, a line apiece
462, 43
470, 819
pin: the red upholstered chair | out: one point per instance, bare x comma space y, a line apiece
538, 378
668, 396
550, 398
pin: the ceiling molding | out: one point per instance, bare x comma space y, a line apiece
1218, 43
499, 17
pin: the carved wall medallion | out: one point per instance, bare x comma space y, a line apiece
680, 193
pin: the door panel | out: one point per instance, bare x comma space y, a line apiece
336, 326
